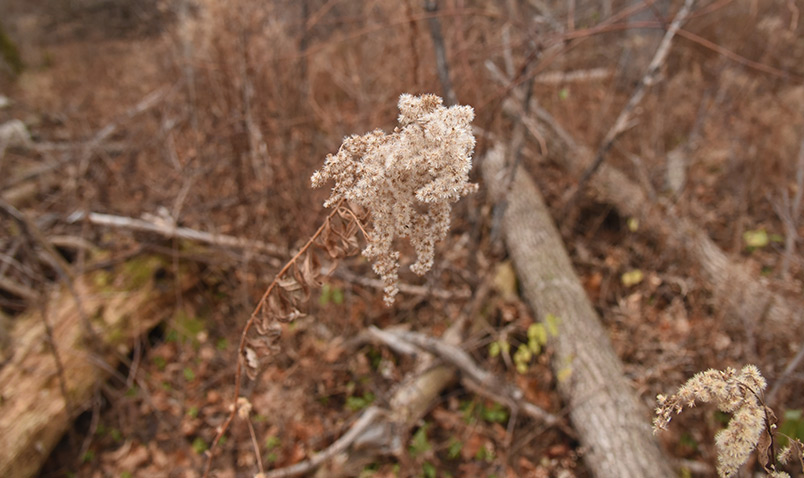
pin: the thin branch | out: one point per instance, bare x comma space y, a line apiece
342, 444
255, 445
624, 118
32, 231
525, 92
149, 101
249, 324
413, 34
381, 431
7, 260
57, 360
93, 426
55, 260
480, 381
796, 209
788, 371
735, 57
410, 289
20, 290
788, 211
794, 14
170, 231
520, 114
440, 52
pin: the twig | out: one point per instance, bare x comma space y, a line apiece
520, 111
517, 137
413, 34
563, 41
342, 444
54, 350
27, 175
70, 242
382, 432
182, 11
507, 57
695, 467
171, 232
32, 231
62, 268
87, 148
737, 58
149, 101
796, 209
791, 367
387, 337
7, 259
440, 52
624, 118
410, 289
789, 212
250, 323
480, 381
746, 297
255, 445
93, 426
20, 290
794, 14
56, 261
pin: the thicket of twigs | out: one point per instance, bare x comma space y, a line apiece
197, 125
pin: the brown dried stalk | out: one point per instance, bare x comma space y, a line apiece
406, 180
261, 305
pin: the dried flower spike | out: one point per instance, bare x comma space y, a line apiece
732, 392
408, 180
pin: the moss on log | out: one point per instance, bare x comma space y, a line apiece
95, 325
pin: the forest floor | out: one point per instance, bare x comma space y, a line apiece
251, 98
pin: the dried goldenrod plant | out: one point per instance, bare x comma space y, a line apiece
751, 426
406, 182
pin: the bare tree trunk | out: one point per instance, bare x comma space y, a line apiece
613, 425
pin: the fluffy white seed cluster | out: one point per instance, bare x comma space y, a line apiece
732, 392
408, 180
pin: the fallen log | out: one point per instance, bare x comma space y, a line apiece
40, 394
612, 424
746, 299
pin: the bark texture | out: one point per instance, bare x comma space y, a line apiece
613, 425
33, 411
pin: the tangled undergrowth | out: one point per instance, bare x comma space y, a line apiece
254, 94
